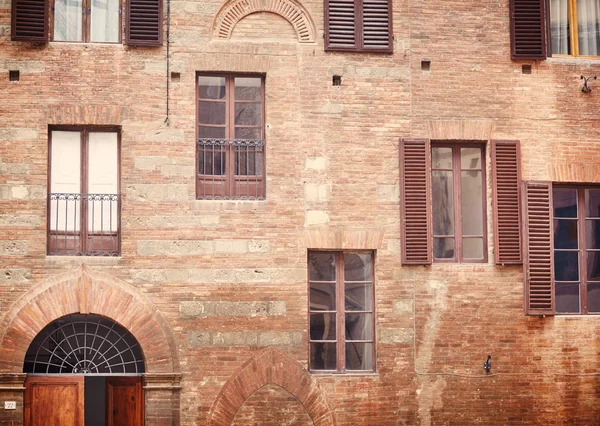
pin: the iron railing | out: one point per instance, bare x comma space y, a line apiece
84, 224
229, 169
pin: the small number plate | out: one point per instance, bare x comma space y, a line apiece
10, 405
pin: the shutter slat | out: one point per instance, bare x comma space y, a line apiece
29, 21
415, 201
340, 19
144, 23
376, 24
506, 176
528, 29
538, 248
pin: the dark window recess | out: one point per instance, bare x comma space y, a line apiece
526, 69
175, 77
337, 80
14, 75
528, 29
341, 312
426, 65
30, 21
144, 23
358, 25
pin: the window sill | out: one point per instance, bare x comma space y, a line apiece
219, 205
80, 260
579, 60
340, 375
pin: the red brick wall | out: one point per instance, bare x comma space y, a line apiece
332, 168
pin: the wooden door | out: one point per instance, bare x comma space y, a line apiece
125, 401
54, 401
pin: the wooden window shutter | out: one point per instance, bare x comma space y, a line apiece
377, 25
340, 25
506, 175
528, 29
30, 21
538, 253
415, 201
144, 23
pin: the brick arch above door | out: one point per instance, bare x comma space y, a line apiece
87, 291
271, 367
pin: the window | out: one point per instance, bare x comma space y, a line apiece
230, 149
97, 21
358, 25
83, 200
575, 27
458, 182
576, 214
341, 312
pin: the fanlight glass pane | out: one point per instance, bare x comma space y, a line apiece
321, 266
211, 87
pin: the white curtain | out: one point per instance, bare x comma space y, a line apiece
105, 21
559, 27
68, 20
588, 16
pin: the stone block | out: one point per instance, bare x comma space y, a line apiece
29, 220
13, 248
388, 193
316, 217
159, 192
14, 275
9, 192
316, 163
175, 248
279, 338
402, 306
317, 192
399, 336
199, 338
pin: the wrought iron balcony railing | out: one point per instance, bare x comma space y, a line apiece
230, 169
84, 224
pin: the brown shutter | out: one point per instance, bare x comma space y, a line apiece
506, 175
29, 21
528, 29
538, 253
144, 23
415, 201
340, 26
377, 25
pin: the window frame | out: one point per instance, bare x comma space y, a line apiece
86, 22
84, 162
358, 31
457, 201
340, 314
230, 133
582, 249
573, 33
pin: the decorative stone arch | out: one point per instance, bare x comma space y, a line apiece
87, 291
271, 367
233, 11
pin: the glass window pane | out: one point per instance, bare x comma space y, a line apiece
321, 266
565, 234
559, 27
247, 88
211, 132
211, 112
248, 161
359, 297
592, 203
358, 267
566, 266
593, 294
592, 234
322, 297
473, 248
68, 20
105, 21
248, 114
443, 248
359, 356
441, 158
593, 266
322, 326
565, 202
359, 326
323, 356
472, 202
211, 87
442, 203
211, 162
253, 133
567, 298
588, 21
470, 158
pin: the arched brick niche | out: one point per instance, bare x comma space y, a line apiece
87, 291
271, 367
233, 11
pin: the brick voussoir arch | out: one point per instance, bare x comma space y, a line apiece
233, 11
87, 291
271, 367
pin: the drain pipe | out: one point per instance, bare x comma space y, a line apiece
168, 61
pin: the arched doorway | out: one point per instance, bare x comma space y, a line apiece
84, 370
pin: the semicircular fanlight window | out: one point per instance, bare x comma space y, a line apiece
84, 344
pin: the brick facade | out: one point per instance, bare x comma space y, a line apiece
216, 291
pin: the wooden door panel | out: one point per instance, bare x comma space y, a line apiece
125, 401
54, 401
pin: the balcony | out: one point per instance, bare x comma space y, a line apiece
84, 224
